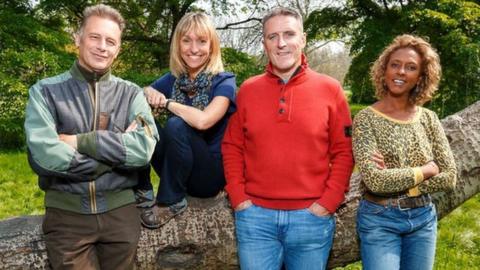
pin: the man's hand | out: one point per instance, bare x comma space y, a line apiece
318, 210
132, 126
69, 139
243, 205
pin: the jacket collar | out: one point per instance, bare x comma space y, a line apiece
299, 72
81, 73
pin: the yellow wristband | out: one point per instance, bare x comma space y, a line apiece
413, 192
417, 175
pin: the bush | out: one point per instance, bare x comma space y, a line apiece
29, 52
12, 112
240, 64
355, 108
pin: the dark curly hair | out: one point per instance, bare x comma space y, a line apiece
430, 68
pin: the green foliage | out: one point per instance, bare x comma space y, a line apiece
12, 111
457, 39
333, 22
451, 26
240, 64
25, 58
21, 6
141, 79
353, 266
355, 108
149, 26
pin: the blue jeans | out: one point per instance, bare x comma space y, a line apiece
268, 238
391, 238
184, 163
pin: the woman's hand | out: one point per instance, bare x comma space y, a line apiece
430, 169
155, 98
379, 160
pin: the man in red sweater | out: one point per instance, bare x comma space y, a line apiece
287, 155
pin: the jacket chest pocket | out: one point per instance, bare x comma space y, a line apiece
117, 120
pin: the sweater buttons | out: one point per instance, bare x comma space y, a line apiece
281, 111
282, 100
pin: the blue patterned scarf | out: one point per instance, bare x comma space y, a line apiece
198, 89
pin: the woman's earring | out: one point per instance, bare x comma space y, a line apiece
385, 89
416, 90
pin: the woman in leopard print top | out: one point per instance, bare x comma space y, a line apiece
403, 155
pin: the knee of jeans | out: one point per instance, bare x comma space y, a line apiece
175, 126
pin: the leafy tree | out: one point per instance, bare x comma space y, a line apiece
240, 64
29, 51
150, 26
452, 26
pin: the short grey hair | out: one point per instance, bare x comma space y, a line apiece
281, 11
102, 11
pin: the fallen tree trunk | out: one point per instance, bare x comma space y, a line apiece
203, 237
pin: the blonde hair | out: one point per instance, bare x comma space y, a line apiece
200, 24
430, 72
102, 11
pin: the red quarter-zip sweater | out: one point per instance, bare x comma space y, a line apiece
288, 145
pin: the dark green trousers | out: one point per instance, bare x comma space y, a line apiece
97, 241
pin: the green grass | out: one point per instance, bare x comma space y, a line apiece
458, 244
19, 191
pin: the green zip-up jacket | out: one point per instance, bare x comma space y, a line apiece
100, 174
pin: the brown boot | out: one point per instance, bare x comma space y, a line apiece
157, 216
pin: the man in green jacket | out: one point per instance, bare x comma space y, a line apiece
87, 133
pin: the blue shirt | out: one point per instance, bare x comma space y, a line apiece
223, 84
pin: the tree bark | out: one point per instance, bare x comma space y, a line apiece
203, 236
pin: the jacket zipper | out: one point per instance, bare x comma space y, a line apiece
93, 200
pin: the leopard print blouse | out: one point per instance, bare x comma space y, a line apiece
405, 146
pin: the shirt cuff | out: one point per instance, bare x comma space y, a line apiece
418, 178
418, 175
86, 144
413, 192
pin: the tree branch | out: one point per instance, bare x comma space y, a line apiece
236, 28
229, 25
313, 48
144, 39
385, 4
